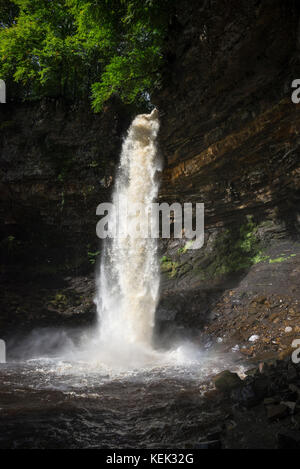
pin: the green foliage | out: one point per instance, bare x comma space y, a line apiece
233, 251
168, 266
281, 259
78, 48
40, 49
64, 299
164, 259
59, 300
278, 259
92, 256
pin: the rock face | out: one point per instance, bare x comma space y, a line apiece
226, 381
229, 137
57, 164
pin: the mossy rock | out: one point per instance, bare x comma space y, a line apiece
168, 266
234, 250
226, 381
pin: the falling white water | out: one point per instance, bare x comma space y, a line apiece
127, 296
128, 285
129, 275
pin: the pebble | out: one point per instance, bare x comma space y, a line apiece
226, 381
253, 338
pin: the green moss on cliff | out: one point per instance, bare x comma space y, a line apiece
168, 266
236, 250
281, 259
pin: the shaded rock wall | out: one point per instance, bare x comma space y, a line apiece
57, 164
230, 133
230, 138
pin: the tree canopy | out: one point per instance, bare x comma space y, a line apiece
79, 48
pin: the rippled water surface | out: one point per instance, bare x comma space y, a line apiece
54, 403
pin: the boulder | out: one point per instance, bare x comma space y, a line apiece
226, 381
277, 412
288, 440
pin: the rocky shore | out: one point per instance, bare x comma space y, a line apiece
262, 410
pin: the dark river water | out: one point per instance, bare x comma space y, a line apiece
55, 403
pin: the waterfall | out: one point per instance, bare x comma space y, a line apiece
128, 282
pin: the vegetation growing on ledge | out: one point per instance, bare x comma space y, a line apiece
80, 48
234, 250
63, 299
237, 250
168, 266
283, 258
92, 256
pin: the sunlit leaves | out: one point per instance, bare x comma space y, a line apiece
79, 48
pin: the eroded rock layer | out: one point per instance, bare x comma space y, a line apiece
230, 138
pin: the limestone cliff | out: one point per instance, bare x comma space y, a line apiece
230, 138
57, 164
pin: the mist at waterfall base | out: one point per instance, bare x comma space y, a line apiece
109, 386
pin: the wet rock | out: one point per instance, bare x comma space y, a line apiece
277, 412
261, 387
230, 425
251, 372
215, 434
291, 374
290, 405
213, 394
226, 381
295, 389
245, 396
271, 401
215, 444
288, 440
263, 368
